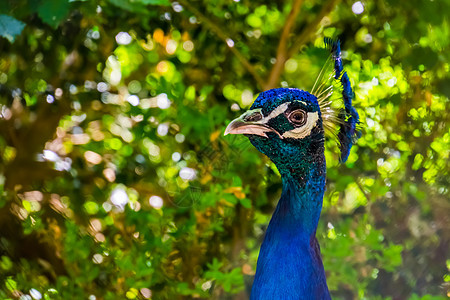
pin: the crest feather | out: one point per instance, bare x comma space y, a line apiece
341, 123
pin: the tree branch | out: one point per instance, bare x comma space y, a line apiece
281, 57
224, 37
282, 54
307, 32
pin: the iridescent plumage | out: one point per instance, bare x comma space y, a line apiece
349, 118
287, 125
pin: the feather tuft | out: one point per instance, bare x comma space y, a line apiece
342, 124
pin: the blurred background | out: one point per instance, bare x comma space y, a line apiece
116, 181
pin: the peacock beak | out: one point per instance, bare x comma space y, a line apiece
251, 122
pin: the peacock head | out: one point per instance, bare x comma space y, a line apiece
285, 124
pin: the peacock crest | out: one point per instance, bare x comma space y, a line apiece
342, 124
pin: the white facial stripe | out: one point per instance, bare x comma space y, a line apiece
276, 112
279, 110
302, 102
305, 130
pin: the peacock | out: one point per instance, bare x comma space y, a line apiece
287, 125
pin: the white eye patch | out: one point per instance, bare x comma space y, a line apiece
305, 130
279, 110
299, 132
276, 112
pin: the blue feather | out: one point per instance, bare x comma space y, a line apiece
289, 263
347, 132
287, 126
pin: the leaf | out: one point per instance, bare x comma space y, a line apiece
53, 12
10, 284
155, 2
130, 6
10, 28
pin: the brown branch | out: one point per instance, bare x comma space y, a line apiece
224, 37
307, 32
282, 50
282, 54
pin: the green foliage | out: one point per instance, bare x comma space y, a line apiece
232, 281
53, 12
116, 181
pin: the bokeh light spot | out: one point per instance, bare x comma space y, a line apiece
123, 38
146, 293
92, 157
188, 46
156, 202
171, 47
162, 101
291, 65
133, 100
162, 67
119, 197
247, 97
177, 7
230, 43
97, 258
35, 294
179, 137
176, 156
163, 129
187, 173
358, 8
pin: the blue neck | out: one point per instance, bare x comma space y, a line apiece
289, 263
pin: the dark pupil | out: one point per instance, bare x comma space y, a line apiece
297, 117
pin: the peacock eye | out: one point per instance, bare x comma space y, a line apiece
297, 117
